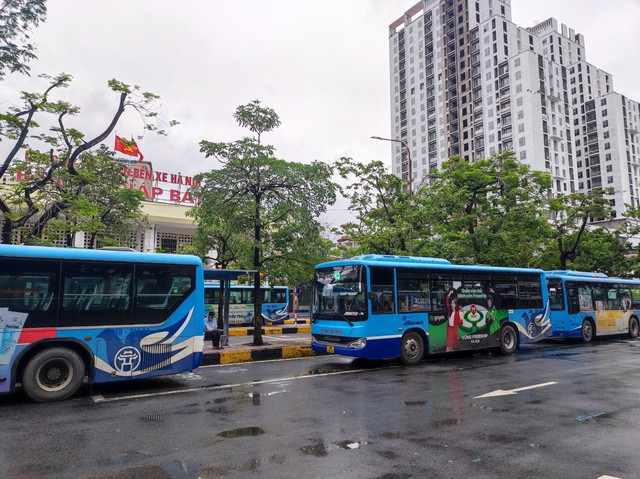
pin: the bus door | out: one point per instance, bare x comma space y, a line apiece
559, 322
414, 300
445, 317
382, 294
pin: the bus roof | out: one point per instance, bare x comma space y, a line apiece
568, 272
420, 262
403, 259
225, 274
23, 251
587, 276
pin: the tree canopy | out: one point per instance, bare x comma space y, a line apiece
17, 17
261, 208
383, 223
56, 165
493, 211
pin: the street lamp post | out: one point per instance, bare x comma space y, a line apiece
404, 144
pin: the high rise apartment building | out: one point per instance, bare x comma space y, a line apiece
465, 80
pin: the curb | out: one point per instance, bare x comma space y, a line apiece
270, 330
247, 355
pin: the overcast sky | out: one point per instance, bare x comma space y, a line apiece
322, 65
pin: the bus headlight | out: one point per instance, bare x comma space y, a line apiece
357, 344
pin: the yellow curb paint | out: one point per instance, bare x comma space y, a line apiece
289, 352
304, 329
228, 357
272, 330
238, 331
307, 351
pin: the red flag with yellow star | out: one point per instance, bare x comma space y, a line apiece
128, 147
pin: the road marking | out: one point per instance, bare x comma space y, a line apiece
510, 392
99, 398
586, 417
608, 477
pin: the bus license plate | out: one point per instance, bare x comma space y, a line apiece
330, 349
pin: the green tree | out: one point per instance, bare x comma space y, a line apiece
55, 154
491, 211
107, 213
571, 214
274, 203
16, 19
603, 251
383, 221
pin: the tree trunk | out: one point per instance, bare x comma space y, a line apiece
562, 254
257, 292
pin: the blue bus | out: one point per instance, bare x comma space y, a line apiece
71, 314
585, 304
275, 302
382, 307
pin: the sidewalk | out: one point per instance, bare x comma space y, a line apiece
246, 351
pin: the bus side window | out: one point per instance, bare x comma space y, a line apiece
599, 297
573, 301
382, 290
235, 297
611, 299
529, 293
635, 297
506, 288
413, 290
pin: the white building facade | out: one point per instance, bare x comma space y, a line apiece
467, 81
167, 225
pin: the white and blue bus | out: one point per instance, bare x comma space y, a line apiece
382, 307
585, 304
275, 302
70, 314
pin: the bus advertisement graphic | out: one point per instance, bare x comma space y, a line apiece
471, 321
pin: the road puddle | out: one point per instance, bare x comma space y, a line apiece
241, 432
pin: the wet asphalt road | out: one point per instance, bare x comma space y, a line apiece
573, 412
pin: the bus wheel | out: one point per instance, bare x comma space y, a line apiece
53, 375
633, 328
587, 331
411, 348
508, 339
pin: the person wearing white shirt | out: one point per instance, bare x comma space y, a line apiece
211, 327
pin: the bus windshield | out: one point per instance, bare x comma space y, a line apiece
339, 293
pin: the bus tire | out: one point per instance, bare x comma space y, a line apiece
508, 339
587, 330
411, 348
633, 327
53, 375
